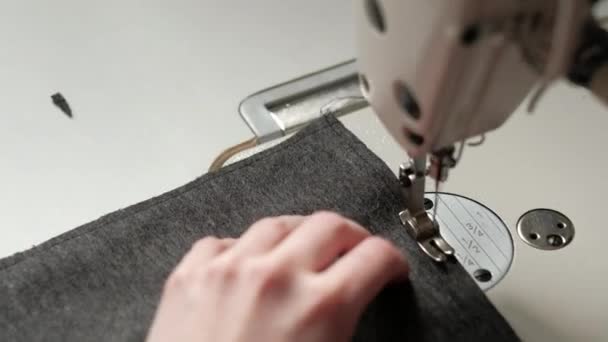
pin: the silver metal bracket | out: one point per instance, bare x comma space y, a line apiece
283, 109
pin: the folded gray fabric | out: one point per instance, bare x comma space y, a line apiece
102, 281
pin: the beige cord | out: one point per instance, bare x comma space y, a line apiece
219, 162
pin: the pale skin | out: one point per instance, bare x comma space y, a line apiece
289, 278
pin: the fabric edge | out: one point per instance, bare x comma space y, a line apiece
327, 122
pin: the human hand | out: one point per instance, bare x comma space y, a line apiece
289, 278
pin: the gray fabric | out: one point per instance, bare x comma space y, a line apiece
101, 282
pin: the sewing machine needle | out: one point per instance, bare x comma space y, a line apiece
436, 201
437, 185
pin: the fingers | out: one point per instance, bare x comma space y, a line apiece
320, 240
265, 235
364, 271
206, 249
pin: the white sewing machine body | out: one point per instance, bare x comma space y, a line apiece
440, 72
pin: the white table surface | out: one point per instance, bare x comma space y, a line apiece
155, 88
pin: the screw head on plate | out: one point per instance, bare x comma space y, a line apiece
546, 229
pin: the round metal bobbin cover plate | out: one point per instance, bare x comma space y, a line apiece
481, 240
545, 229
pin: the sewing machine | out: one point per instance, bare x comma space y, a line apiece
152, 88
441, 75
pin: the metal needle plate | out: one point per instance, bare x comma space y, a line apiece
481, 240
545, 229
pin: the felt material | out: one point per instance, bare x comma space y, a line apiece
102, 281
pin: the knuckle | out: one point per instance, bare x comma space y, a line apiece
179, 279
331, 218
325, 303
205, 243
380, 245
338, 225
263, 222
271, 225
256, 268
222, 271
385, 250
264, 275
336, 293
334, 222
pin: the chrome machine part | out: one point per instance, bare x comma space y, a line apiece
481, 240
546, 229
412, 175
283, 109
275, 113
441, 163
419, 224
425, 231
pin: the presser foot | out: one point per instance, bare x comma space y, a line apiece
425, 231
